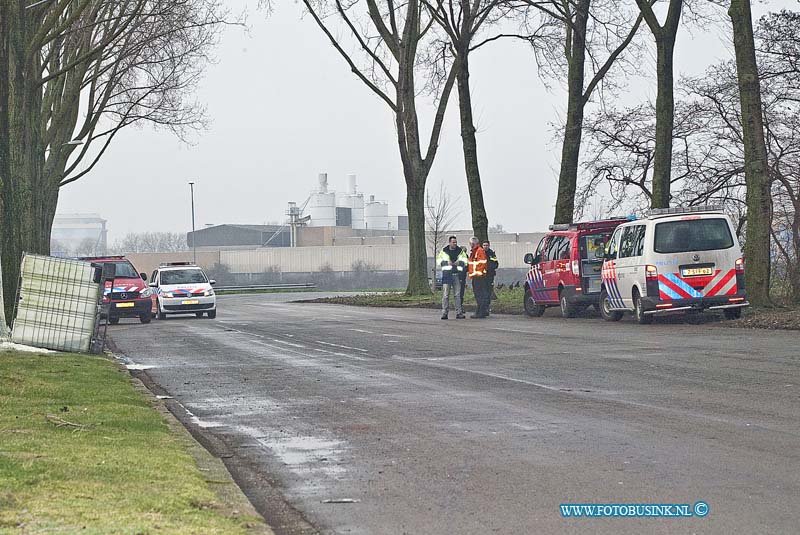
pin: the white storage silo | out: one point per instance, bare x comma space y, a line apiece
322, 205
376, 214
353, 200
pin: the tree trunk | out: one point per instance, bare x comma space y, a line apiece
759, 200
25, 201
3, 148
417, 251
665, 120
480, 223
573, 129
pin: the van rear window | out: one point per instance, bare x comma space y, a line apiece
692, 235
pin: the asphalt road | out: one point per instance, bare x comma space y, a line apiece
482, 426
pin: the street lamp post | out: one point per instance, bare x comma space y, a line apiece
194, 238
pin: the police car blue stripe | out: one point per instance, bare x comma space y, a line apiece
663, 288
680, 283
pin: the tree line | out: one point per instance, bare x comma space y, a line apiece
74, 73
420, 49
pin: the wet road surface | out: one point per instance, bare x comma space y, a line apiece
386, 421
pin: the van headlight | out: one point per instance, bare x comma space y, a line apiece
208, 292
167, 294
147, 292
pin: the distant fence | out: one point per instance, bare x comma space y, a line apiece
265, 287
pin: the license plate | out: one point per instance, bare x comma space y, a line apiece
691, 272
191, 302
125, 305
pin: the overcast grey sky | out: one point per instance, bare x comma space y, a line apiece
285, 107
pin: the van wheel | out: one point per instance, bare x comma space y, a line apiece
605, 308
113, 321
145, 318
732, 313
160, 315
531, 308
198, 314
641, 317
567, 308
212, 314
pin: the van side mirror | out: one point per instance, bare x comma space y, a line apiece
528, 259
212, 282
153, 285
143, 275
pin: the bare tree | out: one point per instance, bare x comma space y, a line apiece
665, 35
709, 160
78, 72
4, 164
440, 215
392, 39
596, 31
462, 21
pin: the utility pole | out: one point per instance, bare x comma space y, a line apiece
194, 238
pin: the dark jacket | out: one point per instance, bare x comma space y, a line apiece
493, 264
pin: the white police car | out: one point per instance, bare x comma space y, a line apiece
182, 288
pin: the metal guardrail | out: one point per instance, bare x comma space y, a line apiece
265, 287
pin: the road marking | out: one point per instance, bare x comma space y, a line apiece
520, 331
288, 343
343, 347
361, 331
353, 357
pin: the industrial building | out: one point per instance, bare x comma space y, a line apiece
239, 236
326, 218
329, 208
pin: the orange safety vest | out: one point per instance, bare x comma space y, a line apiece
477, 263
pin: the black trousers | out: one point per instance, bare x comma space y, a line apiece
480, 287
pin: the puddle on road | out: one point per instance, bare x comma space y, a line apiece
295, 452
139, 367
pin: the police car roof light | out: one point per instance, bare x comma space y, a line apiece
167, 264
684, 210
583, 225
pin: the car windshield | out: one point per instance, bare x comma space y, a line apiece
124, 270
183, 276
692, 235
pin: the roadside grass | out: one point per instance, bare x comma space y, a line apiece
83, 451
510, 301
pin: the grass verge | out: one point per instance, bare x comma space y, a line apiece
510, 301
507, 302
84, 451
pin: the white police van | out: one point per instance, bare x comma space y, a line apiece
182, 288
676, 259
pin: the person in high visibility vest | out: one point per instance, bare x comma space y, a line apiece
478, 273
452, 261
